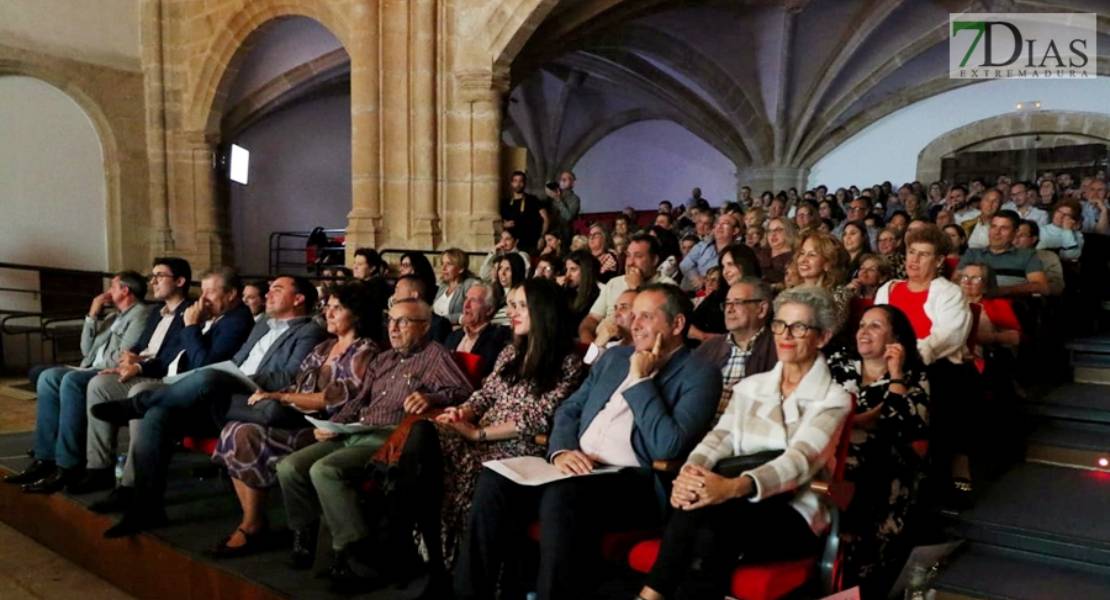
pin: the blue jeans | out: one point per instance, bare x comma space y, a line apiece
195, 404
60, 419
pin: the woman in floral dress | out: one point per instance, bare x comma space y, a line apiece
888, 378
329, 376
441, 460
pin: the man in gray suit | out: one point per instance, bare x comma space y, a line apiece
640, 404
271, 357
60, 413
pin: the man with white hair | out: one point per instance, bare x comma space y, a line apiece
476, 335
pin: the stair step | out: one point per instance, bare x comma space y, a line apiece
1044, 510
985, 571
1078, 401
1098, 344
1070, 443
1086, 372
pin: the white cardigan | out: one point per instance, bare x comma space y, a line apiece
947, 308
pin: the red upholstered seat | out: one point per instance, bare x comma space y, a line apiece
766, 581
471, 365
198, 444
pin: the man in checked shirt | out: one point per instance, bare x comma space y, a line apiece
413, 376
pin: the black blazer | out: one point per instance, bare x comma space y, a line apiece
490, 343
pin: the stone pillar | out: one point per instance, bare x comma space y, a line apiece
364, 222
423, 107
474, 146
774, 178
195, 156
161, 235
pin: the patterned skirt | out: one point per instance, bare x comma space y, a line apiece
250, 451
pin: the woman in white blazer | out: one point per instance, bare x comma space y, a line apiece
767, 512
941, 320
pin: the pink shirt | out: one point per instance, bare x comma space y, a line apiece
608, 439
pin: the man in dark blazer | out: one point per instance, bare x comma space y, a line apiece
271, 358
749, 347
476, 334
653, 401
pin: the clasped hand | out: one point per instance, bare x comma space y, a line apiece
697, 487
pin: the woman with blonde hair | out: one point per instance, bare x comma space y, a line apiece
779, 251
455, 279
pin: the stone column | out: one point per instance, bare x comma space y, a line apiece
364, 222
195, 156
474, 145
423, 106
774, 178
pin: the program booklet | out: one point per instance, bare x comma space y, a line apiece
534, 470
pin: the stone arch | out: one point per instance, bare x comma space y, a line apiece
513, 23
71, 85
226, 48
277, 92
1081, 124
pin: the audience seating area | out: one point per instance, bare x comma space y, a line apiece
1024, 491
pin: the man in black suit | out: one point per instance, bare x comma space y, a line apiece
476, 334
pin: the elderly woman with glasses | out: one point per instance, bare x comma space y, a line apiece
776, 256
941, 322
767, 512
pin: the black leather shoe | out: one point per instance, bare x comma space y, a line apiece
54, 482
348, 575
34, 472
304, 548
137, 521
116, 502
94, 480
118, 412
254, 543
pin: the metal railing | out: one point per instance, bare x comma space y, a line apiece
286, 258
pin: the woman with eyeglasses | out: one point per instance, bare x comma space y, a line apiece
767, 512
329, 377
779, 250
886, 374
941, 321
599, 246
889, 242
998, 324
441, 459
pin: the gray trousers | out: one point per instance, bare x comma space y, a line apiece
101, 440
324, 478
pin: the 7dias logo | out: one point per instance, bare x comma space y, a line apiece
1022, 46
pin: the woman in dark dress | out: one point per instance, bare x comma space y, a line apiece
441, 460
887, 376
736, 262
580, 283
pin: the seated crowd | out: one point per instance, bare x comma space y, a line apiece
718, 360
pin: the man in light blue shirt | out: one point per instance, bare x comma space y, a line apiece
705, 254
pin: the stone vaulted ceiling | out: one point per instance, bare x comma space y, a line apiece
770, 84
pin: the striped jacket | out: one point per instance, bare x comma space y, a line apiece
806, 425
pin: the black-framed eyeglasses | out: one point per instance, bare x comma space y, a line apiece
797, 330
157, 276
727, 304
404, 322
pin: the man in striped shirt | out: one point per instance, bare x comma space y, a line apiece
415, 375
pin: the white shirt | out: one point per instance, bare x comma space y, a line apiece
176, 364
608, 439
1031, 213
262, 346
158, 337
980, 235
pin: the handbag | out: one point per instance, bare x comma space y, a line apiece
733, 466
267, 412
